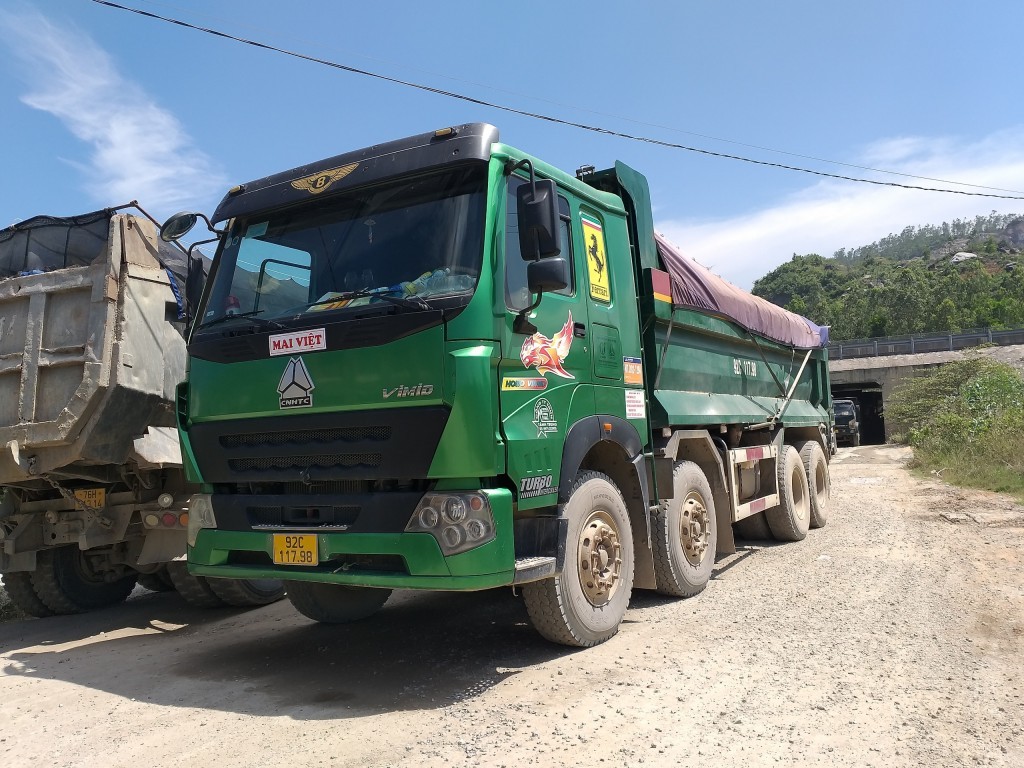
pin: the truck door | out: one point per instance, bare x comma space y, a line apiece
544, 376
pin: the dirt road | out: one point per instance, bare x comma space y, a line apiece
892, 637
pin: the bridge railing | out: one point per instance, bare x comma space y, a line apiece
923, 342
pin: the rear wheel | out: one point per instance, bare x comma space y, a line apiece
790, 520
335, 603
157, 581
194, 589
754, 528
19, 588
247, 592
818, 481
684, 534
67, 581
584, 604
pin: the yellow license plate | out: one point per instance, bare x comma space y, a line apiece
295, 549
92, 497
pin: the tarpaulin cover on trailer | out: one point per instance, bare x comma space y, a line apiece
697, 287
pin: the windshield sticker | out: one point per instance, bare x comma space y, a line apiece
636, 408
632, 370
536, 486
257, 230
319, 182
512, 383
547, 355
300, 341
296, 385
597, 261
544, 418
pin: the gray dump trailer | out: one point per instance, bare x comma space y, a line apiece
94, 499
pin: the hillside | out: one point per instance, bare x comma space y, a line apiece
948, 277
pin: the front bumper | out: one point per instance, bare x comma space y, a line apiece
391, 560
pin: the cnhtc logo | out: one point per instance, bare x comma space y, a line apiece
296, 385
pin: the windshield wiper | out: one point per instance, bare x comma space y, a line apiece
410, 302
251, 316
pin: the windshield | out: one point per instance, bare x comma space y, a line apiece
844, 409
406, 244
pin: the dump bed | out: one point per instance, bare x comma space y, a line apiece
716, 354
90, 352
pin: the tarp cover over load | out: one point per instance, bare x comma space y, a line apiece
697, 287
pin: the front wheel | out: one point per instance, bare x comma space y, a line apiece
335, 603
244, 593
195, 590
684, 534
584, 604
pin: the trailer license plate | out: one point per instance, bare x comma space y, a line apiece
92, 497
295, 549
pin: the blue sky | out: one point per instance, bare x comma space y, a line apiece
99, 106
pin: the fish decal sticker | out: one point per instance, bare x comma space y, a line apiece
547, 355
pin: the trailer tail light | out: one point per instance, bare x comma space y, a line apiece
457, 521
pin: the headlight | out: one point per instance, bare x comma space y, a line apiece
458, 521
200, 515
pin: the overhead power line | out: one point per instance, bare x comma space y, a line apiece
540, 116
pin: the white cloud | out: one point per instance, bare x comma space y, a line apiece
831, 214
139, 150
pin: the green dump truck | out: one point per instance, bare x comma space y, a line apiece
440, 363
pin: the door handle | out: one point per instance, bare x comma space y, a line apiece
579, 330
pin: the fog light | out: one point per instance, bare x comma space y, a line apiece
454, 509
476, 529
452, 536
429, 518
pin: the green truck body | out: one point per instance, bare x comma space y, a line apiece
375, 399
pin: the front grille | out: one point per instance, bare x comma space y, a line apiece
377, 444
323, 516
306, 436
324, 461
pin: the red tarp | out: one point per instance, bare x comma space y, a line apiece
697, 287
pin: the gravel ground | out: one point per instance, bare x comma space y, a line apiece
891, 637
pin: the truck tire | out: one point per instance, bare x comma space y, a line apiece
19, 588
790, 520
245, 593
157, 581
335, 603
584, 604
754, 528
684, 534
194, 589
66, 583
818, 481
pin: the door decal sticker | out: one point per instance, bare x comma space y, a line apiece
547, 355
597, 260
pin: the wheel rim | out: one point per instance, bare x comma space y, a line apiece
801, 502
694, 528
600, 558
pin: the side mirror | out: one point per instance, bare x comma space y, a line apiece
537, 206
179, 225
546, 275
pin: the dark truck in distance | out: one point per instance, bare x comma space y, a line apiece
441, 363
847, 422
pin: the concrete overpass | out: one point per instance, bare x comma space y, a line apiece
872, 380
